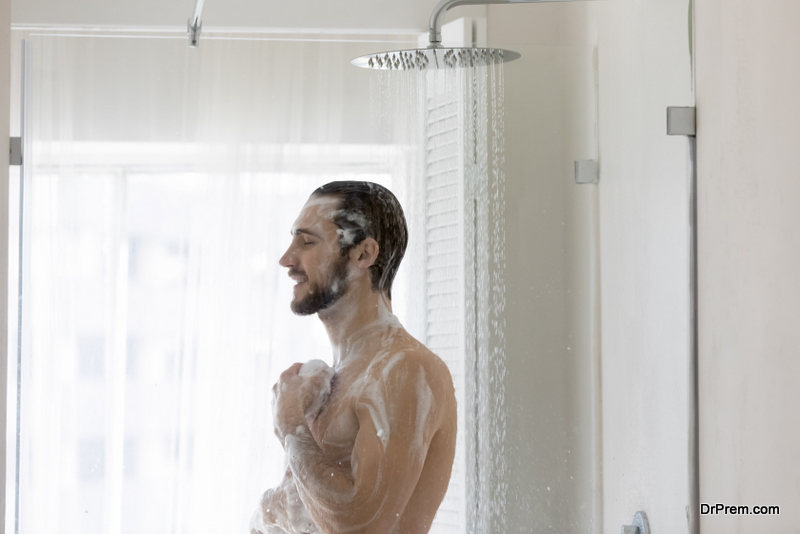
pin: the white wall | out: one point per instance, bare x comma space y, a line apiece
748, 82
643, 66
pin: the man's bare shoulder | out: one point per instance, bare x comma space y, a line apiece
407, 350
405, 358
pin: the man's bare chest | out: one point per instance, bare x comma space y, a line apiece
336, 427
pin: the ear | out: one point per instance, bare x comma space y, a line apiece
365, 253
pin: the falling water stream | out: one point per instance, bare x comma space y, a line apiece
453, 119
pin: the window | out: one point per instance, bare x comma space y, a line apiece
155, 323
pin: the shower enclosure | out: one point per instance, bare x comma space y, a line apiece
160, 183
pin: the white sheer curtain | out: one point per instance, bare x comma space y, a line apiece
160, 189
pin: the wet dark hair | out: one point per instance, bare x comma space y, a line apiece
367, 210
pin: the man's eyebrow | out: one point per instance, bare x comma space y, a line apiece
299, 231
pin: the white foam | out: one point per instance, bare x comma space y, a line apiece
324, 373
300, 519
359, 219
257, 523
393, 361
377, 411
312, 366
348, 236
424, 405
321, 201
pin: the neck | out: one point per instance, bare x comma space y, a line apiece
351, 315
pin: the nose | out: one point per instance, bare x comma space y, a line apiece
288, 258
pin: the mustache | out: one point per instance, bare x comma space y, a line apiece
295, 272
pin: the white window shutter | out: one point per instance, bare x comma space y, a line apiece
445, 264
450, 277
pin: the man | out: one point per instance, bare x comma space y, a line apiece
377, 457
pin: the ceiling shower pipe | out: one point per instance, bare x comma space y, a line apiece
195, 24
437, 17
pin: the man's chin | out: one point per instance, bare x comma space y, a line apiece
307, 305
301, 311
300, 307
315, 302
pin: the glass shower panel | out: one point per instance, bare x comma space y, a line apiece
161, 186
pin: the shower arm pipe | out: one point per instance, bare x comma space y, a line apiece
196, 24
437, 17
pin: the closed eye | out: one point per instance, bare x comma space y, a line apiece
308, 236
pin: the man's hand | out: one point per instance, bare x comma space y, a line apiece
292, 396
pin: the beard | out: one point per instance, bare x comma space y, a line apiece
322, 297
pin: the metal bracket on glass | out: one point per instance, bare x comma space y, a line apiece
639, 526
681, 121
15, 151
587, 171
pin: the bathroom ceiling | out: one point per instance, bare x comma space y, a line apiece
360, 15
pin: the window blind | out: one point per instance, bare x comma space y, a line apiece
444, 270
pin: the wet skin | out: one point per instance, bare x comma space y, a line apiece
378, 456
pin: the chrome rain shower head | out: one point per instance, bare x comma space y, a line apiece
434, 57
437, 56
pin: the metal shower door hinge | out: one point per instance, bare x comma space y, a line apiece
15, 151
681, 121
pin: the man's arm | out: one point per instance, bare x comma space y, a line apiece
282, 511
398, 415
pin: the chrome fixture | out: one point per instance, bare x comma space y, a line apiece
639, 526
435, 36
435, 57
195, 24
438, 56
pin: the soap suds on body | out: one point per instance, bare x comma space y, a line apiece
325, 374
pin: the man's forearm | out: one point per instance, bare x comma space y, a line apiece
281, 508
331, 485
336, 502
